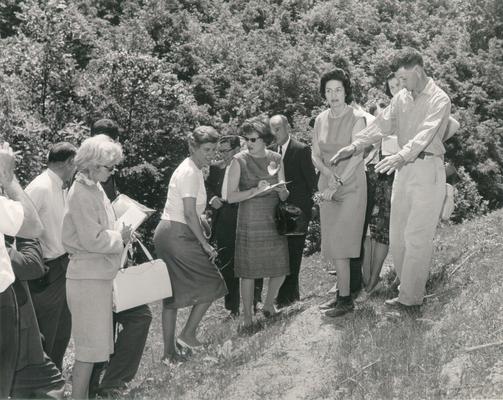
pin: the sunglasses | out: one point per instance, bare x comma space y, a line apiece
110, 169
253, 139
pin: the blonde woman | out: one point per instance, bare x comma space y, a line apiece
95, 246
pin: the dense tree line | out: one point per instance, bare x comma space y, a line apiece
161, 67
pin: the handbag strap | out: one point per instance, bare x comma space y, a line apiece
145, 250
126, 249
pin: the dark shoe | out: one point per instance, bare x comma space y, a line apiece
271, 314
340, 309
327, 305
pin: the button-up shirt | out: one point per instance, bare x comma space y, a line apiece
282, 149
46, 192
11, 219
419, 123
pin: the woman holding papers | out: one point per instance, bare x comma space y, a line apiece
260, 251
180, 242
343, 187
95, 246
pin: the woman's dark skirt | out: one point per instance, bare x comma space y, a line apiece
194, 278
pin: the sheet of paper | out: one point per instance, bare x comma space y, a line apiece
266, 189
133, 216
122, 203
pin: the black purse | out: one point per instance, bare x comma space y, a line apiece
290, 220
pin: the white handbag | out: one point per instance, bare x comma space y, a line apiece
141, 284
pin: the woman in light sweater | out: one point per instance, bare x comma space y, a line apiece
95, 246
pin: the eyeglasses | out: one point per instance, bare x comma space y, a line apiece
110, 169
251, 139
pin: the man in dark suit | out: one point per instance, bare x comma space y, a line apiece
300, 173
225, 219
36, 375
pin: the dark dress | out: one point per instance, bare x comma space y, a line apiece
379, 219
260, 251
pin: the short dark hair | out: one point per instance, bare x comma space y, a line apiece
387, 89
233, 141
105, 126
407, 57
201, 135
260, 125
61, 152
340, 75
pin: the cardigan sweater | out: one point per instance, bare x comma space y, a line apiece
89, 234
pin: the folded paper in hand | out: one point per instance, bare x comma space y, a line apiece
266, 189
130, 212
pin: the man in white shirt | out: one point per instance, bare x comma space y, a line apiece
17, 217
48, 193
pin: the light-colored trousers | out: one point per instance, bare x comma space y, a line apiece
416, 202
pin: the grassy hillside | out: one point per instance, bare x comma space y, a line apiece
371, 354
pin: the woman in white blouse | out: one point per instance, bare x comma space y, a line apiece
180, 242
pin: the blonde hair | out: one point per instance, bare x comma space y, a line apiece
98, 150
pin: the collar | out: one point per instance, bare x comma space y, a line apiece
80, 177
55, 178
284, 146
428, 89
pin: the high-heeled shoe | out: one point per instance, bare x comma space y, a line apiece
182, 343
